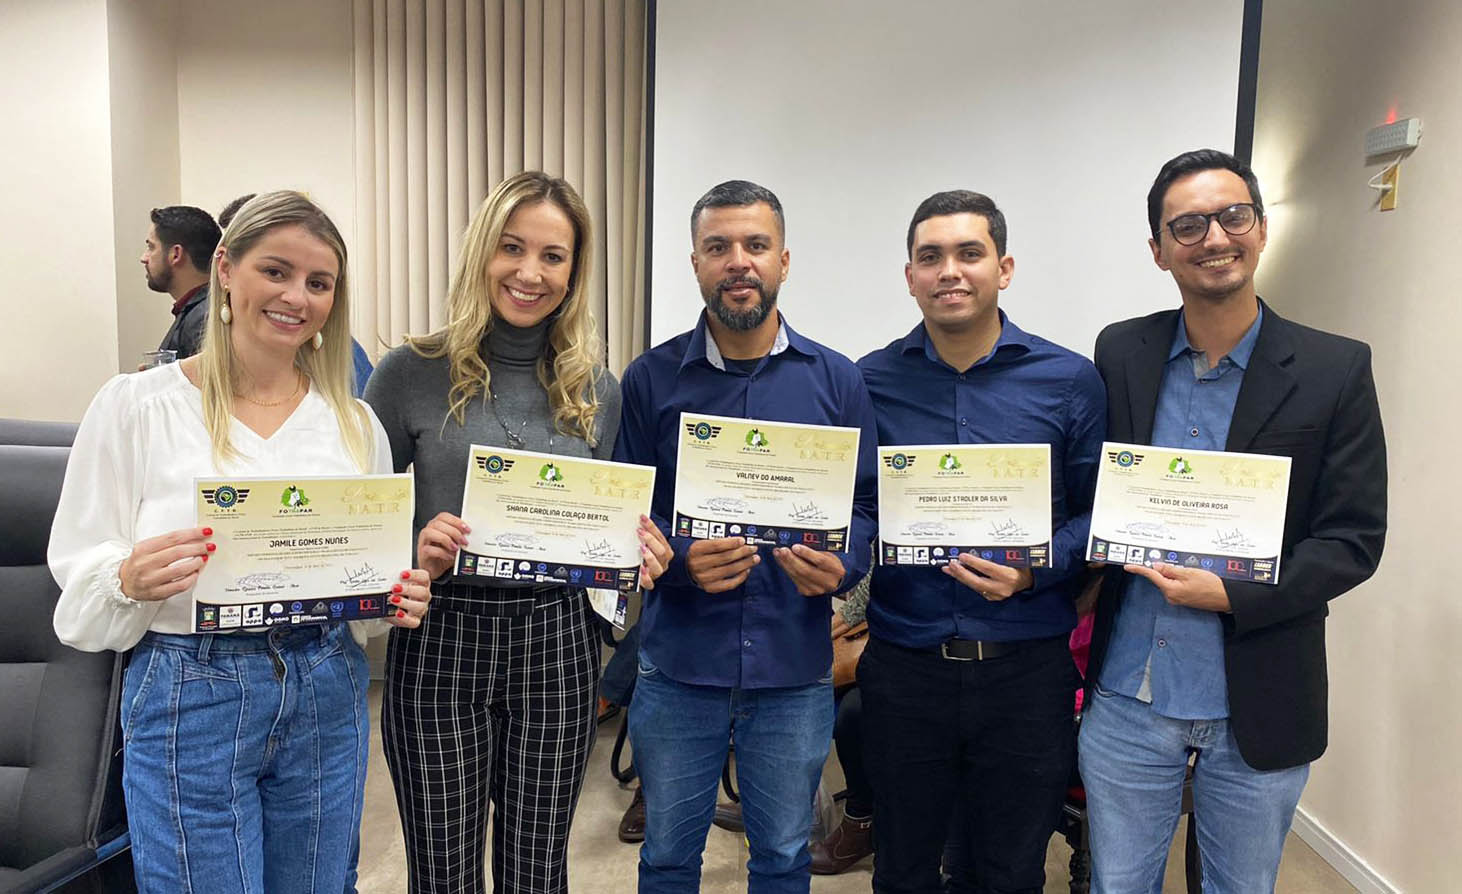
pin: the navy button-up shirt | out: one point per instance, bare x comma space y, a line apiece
1171, 655
1025, 391
763, 633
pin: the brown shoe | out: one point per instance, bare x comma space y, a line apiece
728, 817
850, 842
632, 824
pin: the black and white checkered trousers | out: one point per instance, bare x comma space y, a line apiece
483, 708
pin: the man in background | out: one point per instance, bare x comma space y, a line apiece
177, 252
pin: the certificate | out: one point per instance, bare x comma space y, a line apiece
989, 500
769, 483
300, 550
1222, 512
554, 519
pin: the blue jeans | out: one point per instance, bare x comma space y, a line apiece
244, 760
1133, 761
680, 734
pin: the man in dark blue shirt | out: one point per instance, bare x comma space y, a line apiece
967, 682
735, 639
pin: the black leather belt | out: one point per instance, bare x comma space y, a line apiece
984, 650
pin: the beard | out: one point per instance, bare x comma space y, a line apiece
159, 283
740, 320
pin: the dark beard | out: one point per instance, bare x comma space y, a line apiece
159, 285
740, 320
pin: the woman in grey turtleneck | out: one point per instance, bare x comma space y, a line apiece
492, 700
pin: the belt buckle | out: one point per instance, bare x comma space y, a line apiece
979, 652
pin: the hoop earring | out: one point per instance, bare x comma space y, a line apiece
318, 341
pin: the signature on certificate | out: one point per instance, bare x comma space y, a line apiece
601, 551
1233, 539
1008, 528
808, 512
264, 580
1147, 531
364, 576
726, 505
928, 529
515, 540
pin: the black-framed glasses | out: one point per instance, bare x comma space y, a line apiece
1236, 220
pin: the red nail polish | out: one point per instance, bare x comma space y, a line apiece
212, 547
406, 575
207, 532
400, 614
395, 588
205, 557
395, 600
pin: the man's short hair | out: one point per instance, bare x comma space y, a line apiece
1191, 163
226, 216
192, 228
737, 194
961, 201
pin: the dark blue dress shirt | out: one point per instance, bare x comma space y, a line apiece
1025, 391
762, 634
1169, 655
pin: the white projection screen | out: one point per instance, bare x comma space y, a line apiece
853, 111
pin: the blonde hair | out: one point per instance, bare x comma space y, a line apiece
329, 368
573, 357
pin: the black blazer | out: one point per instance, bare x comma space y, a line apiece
1307, 395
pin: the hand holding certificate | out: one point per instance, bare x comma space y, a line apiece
1198, 509
768, 483
302, 550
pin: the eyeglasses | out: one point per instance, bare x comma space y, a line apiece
1236, 220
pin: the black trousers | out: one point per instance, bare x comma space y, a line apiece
486, 710
998, 736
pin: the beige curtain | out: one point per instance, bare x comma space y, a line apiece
451, 96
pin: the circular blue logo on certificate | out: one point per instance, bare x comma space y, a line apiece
900, 461
703, 431
494, 464
1125, 458
225, 496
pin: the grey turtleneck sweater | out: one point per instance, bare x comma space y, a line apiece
409, 394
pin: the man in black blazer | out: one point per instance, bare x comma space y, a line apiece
1183, 661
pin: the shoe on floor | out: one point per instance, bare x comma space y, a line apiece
850, 842
728, 817
632, 824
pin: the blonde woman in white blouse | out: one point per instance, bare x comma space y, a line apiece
244, 754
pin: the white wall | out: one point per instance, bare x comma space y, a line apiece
143, 93
56, 245
265, 102
1388, 790
854, 112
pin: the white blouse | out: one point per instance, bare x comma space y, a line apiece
130, 477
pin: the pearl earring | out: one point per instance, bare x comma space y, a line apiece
226, 313
318, 341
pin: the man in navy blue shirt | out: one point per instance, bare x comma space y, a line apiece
967, 681
734, 638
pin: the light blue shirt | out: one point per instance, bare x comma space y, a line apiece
1169, 655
